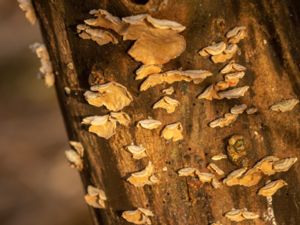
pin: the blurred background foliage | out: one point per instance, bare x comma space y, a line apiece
37, 187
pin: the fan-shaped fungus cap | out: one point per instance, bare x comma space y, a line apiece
271, 188
285, 105
167, 103
173, 132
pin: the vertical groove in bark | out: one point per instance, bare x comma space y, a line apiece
273, 74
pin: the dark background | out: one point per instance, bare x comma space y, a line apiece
37, 187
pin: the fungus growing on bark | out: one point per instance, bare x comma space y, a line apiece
167, 103
137, 151
285, 105
105, 126
214, 168
46, 66
112, 95
146, 70
228, 119
149, 124
143, 177
95, 197
265, 165
197, 76
251, 110
233, 93
284, 165
271, 188
219, 156
27, 7
173, 132
168, 91
236, 34
227, 54
209, 93
75, 155
138, 216
238, 109
101, 37
250, 178
238, 215
187, 171
214, 49
234, 177
232, 67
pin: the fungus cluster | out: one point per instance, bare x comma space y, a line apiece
75, 155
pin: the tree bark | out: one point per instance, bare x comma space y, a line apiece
271, 54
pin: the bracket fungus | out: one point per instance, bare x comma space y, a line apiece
214, 168
146, 70
138, 216
173, 132
75, 156
233, 93
238, 215
285, 164
227, 54
231, 80
236, 34
265, 165
271, 188
101, 37
238, 109
149, 124
209, 93
46, 66
105, 126
168, 91
234, 177
214, 49
95, 197
219, 156
112, 95
232, 67
143, 177
137, 151
285, 105
152, 36
27, 7
197, 76
167, 103
228, 119
251, 110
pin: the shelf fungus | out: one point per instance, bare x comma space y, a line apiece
234, 177
112, 95
209, 93
227, 54
214, 49
239, 215
167, 103
251, 110
265, 165
168, 91
285, 164
195, 76
46, 66
27, 7
173, 132
143, 177
138, 216
146, 70
285, 105
187, 171
137, 151
149, 124
152, 36
95, 197
228, 119
219, 156
236, 34
214, 168
233, 67
231, 80
105, 126
101, 37
271, 188
233, 93
236, 149
75, 156
202, 176
238, 109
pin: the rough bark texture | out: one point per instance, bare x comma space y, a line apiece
273, 74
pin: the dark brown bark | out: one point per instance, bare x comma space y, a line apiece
273, 74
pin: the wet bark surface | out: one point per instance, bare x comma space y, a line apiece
271, 54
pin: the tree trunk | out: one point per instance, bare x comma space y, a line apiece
271, 54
